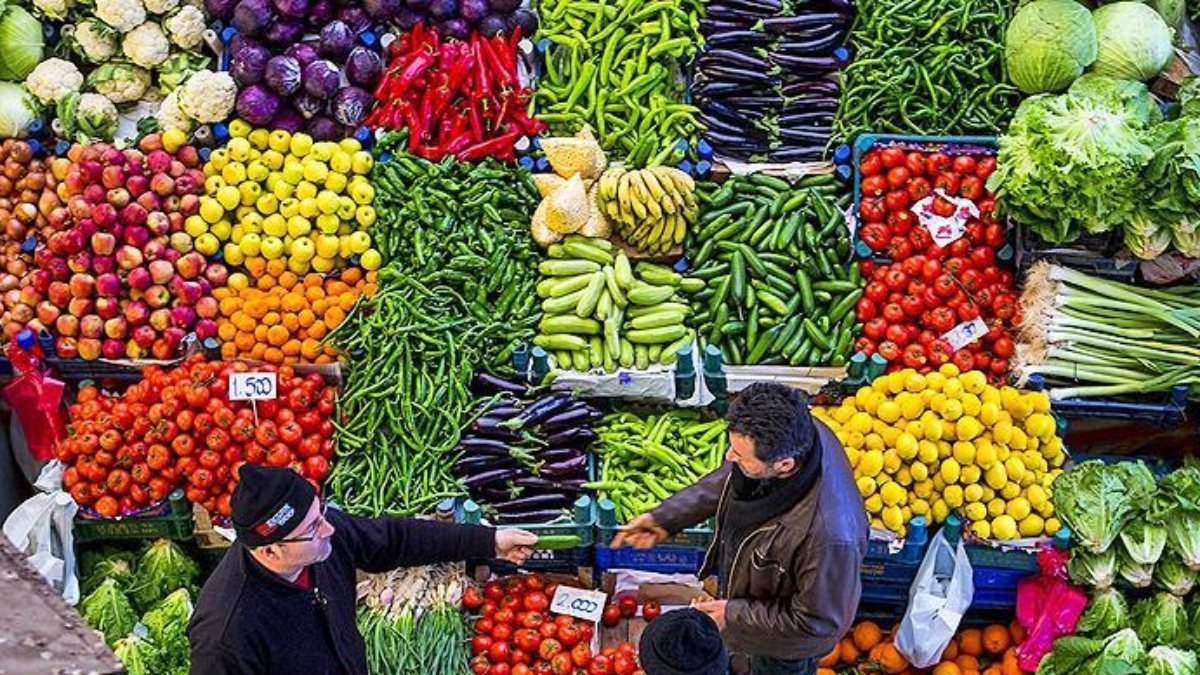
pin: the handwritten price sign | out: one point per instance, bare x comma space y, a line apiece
579, 603
252, 386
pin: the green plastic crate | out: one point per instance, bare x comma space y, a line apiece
171, 520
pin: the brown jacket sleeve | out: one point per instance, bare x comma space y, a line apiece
693, 505
811, 622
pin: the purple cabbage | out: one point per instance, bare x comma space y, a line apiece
284, 31
304, 52
283, 75
492, 25
472, 11
526, 20
297, 9
250, 17
336, 40
382, 10
363, 67
417, 4
408, 19
321, 79
443, 9
355, 17
247, 61
455, 28
257, 105
324, 129
220, 9
307, 105
351, 105
320, 13
504, 6
288, 119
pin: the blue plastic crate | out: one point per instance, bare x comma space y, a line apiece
1169, 412
681, 554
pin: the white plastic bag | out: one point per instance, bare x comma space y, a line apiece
41, 528
939, 597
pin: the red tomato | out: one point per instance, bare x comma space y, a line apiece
527, 639
892, 157
549, 647
865, 309
964, 164
623, 664
902, 222
628, 605
548, 629
915, 163
912, 305
522, 669
889, 350
874, 329
500, 669
893, 313
918, 189
999, 366
971, 187
485, 625
107, 507
568, 635
504, 615
316, 468
533, 620
874, 186
600, 665
964, 360
942, 319
536, 602
872, 210
897, 334
985, 167
870, 164
896, 279
875, 292
480, 644
914, 356
1003, 347
499, 651
651, 610
948, 183
896, 201
897, 177
936, 163
561, 664
612, 615
581, 655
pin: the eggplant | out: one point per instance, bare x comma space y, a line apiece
485, 383
782, 25
558, 454
564, 468
735, 75
736, 38
577, 415
539, 483
485, 446
534, 502
488, 477
807, 63
731, 58
493, 427
803, 134
768, 7
710, 27
812, 47
478, 464
805, 153
539, 516
577, 436
540, 410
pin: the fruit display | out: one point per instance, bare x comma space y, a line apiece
990, 650
283, 317
179, 428
276, 195
121, 278
30, 210
651, 208
941, 442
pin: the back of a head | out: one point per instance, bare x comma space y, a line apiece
683, 642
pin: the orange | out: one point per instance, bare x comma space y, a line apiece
291, 348
369, 288
276, 267
277, 335
950, 652
336, 287
330, 350
825, 671
946, 668
970, 642
272, 355
271, 318
229, 350
317, 330
346, 300
290, 321
866, 635
371, 276
324, 359
244, 342
222, 292
260, 332
293, 302
310, 349
319, 306
257, 266
258, 350
1017, 631
306, 317
311, 280
226, 331
265, 282
891, 660
996, 639
848, 653
256, 309
334, 317
351, 275
229, 305
967, 662
288, 279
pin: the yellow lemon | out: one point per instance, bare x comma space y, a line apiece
953, 495
970, 475
939, 510
995, 476
931, 427
1002, 432
1004, 528
985, 453
891, 461
1052, 526
918, 471
895, 382
1010, 491
1037, 495
850, 440
923, 489
982, 529
1039, 401
989, 413
907, 446
888, 411
1040, 425
974, 382
975, 511
866, 486
874, 503
860, 422
893, 494
1015, 468
964, 453
893, 518
950, 471
904, 477
873, 441
973, 493
935, 381
948, 370
871, 463
967, 428
1018, 508
996, 507
914, 382
928, 452
952, 410
919, 507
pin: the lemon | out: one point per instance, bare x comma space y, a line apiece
1031, 526
913, 428
952, 410
907, 446
233, 254
350, 145
928, 452
996, 477
1052, 526
919, 471
973, 493
1040, 425
890, 435
893, 518
863, 395
892, 494
971, 405
872, 441
840, 414
923, 489
989, 413
944, 450
996, 507
1045, 509
985, 453
1015, 468
1018, 508
336, 182
948, 370
939, 511
1010, 491
920, 507
953, 494
974, 382
888, 411
970, 475
866, 486
895, 383
1039, 401
860, 422
931, 427
1018, 407
982, 529
914, 381
975, 511
912, 407
323, 264
950, 471
891, 461
874, 503
953, 388
370, 260
1002, 432
935, 381
904, 477
1037, 495
870, 464
964, 453
1004, 528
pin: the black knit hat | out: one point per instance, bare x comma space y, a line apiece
268, 503
683, 642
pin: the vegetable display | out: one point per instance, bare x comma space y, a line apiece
767, 86
179, 428
455, 98
644, 460
273, 195
526, 459
29, 209
936, 69
614, 65
407, 637
600, 312
773, 255
928, 445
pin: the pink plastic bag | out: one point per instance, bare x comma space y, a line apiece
1047, 607
36, 399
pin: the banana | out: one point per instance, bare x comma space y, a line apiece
653, 208
651, 182
680, 229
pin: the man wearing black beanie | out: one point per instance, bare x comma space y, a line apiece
790, 535
683, 642
281, 601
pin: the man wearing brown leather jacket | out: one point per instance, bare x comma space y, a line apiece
790, 534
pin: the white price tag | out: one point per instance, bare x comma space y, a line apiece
945, 229
965, 333
252, 386
579, 603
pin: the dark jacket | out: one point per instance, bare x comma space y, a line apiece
794, 584
248, 620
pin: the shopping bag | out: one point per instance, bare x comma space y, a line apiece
937, 600
36, 399
41, 529
1048, 607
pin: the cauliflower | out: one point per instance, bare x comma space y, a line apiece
177, 69
54, 9
161, 6
169, 115
87, 117
120, 82
124, 15
146, 45
186, 27
208, 97
53, 79
94, 40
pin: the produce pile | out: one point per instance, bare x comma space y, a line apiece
31, 211
179, 428
773, 256
416, 634
990, 650
928, 445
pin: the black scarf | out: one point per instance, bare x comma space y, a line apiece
753, 502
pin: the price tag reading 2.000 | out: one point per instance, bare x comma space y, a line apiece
579, 603
252, 386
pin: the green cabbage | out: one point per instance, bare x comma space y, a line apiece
1107, 612
1171, 661
108, 610
1161, 619
1117, 94
1098, 570
1134, 41
1048, 44
1096, 500
1172, 12
1173, 576
162, 568
18, 110
21, 42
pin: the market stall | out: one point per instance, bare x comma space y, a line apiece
504, 262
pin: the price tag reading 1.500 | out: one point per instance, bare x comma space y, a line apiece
252, 386
579, 603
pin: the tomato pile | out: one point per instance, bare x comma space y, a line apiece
516, 634
927, 290
178, 428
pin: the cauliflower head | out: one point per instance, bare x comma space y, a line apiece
53, 79
161, 6
146, 45
178, 68
208, 97
54, 9
169, 115
186, 27
120, 82
87, 117
124, 15
95, 40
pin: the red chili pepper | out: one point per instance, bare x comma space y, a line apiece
416, 67
499, 146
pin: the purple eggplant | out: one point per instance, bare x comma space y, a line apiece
573, 436
474, 464
559, 454
492, 427
485, 446
485, 383
488, 477
564, 468
540, 410
578, 414
573, 485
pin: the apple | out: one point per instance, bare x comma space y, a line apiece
103, 243
136, 312
158, 223
183, 316
208, 308
190, 265
67, 324
117, 198
129, 257
206, 328
66, 347
89, 348
47, 313
82, 285
174, 337
81, 307
91, 326
108, 285
160, 319
80, 262
144, 336
157, 296
107, 308
139, 279
116, 328
113, 349
103, 264
181, 242
161, 271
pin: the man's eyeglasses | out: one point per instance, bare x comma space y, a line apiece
312, 530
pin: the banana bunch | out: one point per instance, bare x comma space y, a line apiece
651, 207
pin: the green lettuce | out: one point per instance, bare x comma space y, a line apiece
1181, 493
166, 628
1107, 612
108, 610
1164, 660
1096, 500
1144, 540
96, 566
162, 568
1132, 572
1161, 619
1098, 570
137, 654
1173, 576
1115, 94
1118, 654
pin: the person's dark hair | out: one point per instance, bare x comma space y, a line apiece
776, 417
